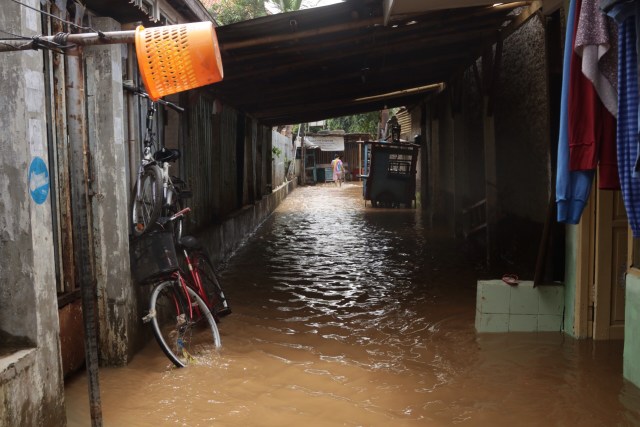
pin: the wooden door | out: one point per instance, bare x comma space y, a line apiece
610, 253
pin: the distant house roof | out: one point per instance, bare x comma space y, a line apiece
341, 59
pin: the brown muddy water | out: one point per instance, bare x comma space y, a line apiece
353, 316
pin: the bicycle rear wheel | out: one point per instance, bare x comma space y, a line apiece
183, 337
146, 203
208, 277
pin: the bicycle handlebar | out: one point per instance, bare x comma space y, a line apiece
140, 92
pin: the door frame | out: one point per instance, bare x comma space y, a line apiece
592, 309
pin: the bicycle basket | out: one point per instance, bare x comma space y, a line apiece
153, 255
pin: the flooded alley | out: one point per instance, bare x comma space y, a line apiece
346, 315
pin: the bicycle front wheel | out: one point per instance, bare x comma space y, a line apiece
210, 282
146, 202
184, 335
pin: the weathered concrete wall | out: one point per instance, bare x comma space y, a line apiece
31, 386
104, 97
521, 130
521, 122
222, 240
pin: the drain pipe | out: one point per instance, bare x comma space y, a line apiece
81, 214
132, 125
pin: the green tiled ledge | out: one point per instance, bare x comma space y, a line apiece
521, 308
631, 368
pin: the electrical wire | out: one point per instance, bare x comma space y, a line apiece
15, 37
79, 27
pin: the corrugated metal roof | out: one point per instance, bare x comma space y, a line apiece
338, 60
132, 11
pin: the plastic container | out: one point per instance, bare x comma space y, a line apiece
153, 255
175, 58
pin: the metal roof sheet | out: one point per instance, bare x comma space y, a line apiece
340, 59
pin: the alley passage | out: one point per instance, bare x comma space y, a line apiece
354, 316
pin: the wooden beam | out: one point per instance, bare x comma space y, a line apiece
372, 54
395, 76
426, 24
314, 32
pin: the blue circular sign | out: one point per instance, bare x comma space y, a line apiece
38, 180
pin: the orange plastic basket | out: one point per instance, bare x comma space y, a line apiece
175, 58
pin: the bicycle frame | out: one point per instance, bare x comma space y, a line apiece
197, 283
153, 165
183, 285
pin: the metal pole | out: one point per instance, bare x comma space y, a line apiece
303, 152
81, 211
81, 39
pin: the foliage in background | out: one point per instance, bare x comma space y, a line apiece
360, 123
231, 11
284, 5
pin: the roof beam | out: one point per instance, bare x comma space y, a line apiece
396, 47
362, 23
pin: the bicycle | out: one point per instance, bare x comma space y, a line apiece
180, 302
156, 192
203, 275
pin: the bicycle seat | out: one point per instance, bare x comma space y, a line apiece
167, 155
189, 242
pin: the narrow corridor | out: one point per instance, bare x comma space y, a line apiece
346, 315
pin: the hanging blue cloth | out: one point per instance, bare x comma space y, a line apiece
572, 187
627, 129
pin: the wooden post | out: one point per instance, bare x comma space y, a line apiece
82, 236
360, 144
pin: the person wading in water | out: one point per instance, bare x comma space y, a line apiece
338, 170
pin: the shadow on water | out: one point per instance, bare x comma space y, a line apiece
354, 316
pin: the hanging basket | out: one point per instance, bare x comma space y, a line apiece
175, 58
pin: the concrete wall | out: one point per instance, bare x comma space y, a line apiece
31, 387
222, 240
109, 165
522, 129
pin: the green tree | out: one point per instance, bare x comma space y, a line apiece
231, 11
360, 123
285, 5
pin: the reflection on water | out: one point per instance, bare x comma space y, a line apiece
354, 316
